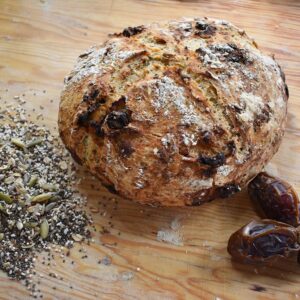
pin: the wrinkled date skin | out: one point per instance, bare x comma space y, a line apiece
276, 197
263, 241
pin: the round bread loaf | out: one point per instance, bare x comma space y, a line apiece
176, 113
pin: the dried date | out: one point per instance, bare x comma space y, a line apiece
277, 198
263, 241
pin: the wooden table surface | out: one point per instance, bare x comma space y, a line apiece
39, 42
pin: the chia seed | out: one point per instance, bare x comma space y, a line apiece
62, 208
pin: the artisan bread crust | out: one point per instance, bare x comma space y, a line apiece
176, 113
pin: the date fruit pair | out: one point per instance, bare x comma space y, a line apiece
268, 239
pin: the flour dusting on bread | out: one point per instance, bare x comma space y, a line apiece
252, 105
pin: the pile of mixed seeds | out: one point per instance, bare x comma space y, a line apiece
38, 205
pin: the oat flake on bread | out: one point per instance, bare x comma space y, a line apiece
174, 113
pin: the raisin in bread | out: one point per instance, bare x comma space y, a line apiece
176, 113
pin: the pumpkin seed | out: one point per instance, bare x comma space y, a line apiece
3, 209
1, 236
41, 198
6, 198
50, 206
17, 142
33, 180
35, 142
49, 187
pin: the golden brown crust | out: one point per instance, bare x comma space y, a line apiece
176, 113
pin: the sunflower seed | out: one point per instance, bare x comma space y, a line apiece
63, 165
44, 229
77, 237
19, 225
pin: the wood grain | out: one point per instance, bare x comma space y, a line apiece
39, 42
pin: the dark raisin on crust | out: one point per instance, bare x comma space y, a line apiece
200, 197
83, 117
98, 127
204, 30
118, 119
200, 51
230, 52
213, 161
236, 54
130, 31
201, 25
228, 190
91, 95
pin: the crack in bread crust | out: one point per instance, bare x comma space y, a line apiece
175, 113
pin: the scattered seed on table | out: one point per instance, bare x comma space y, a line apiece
38, 205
